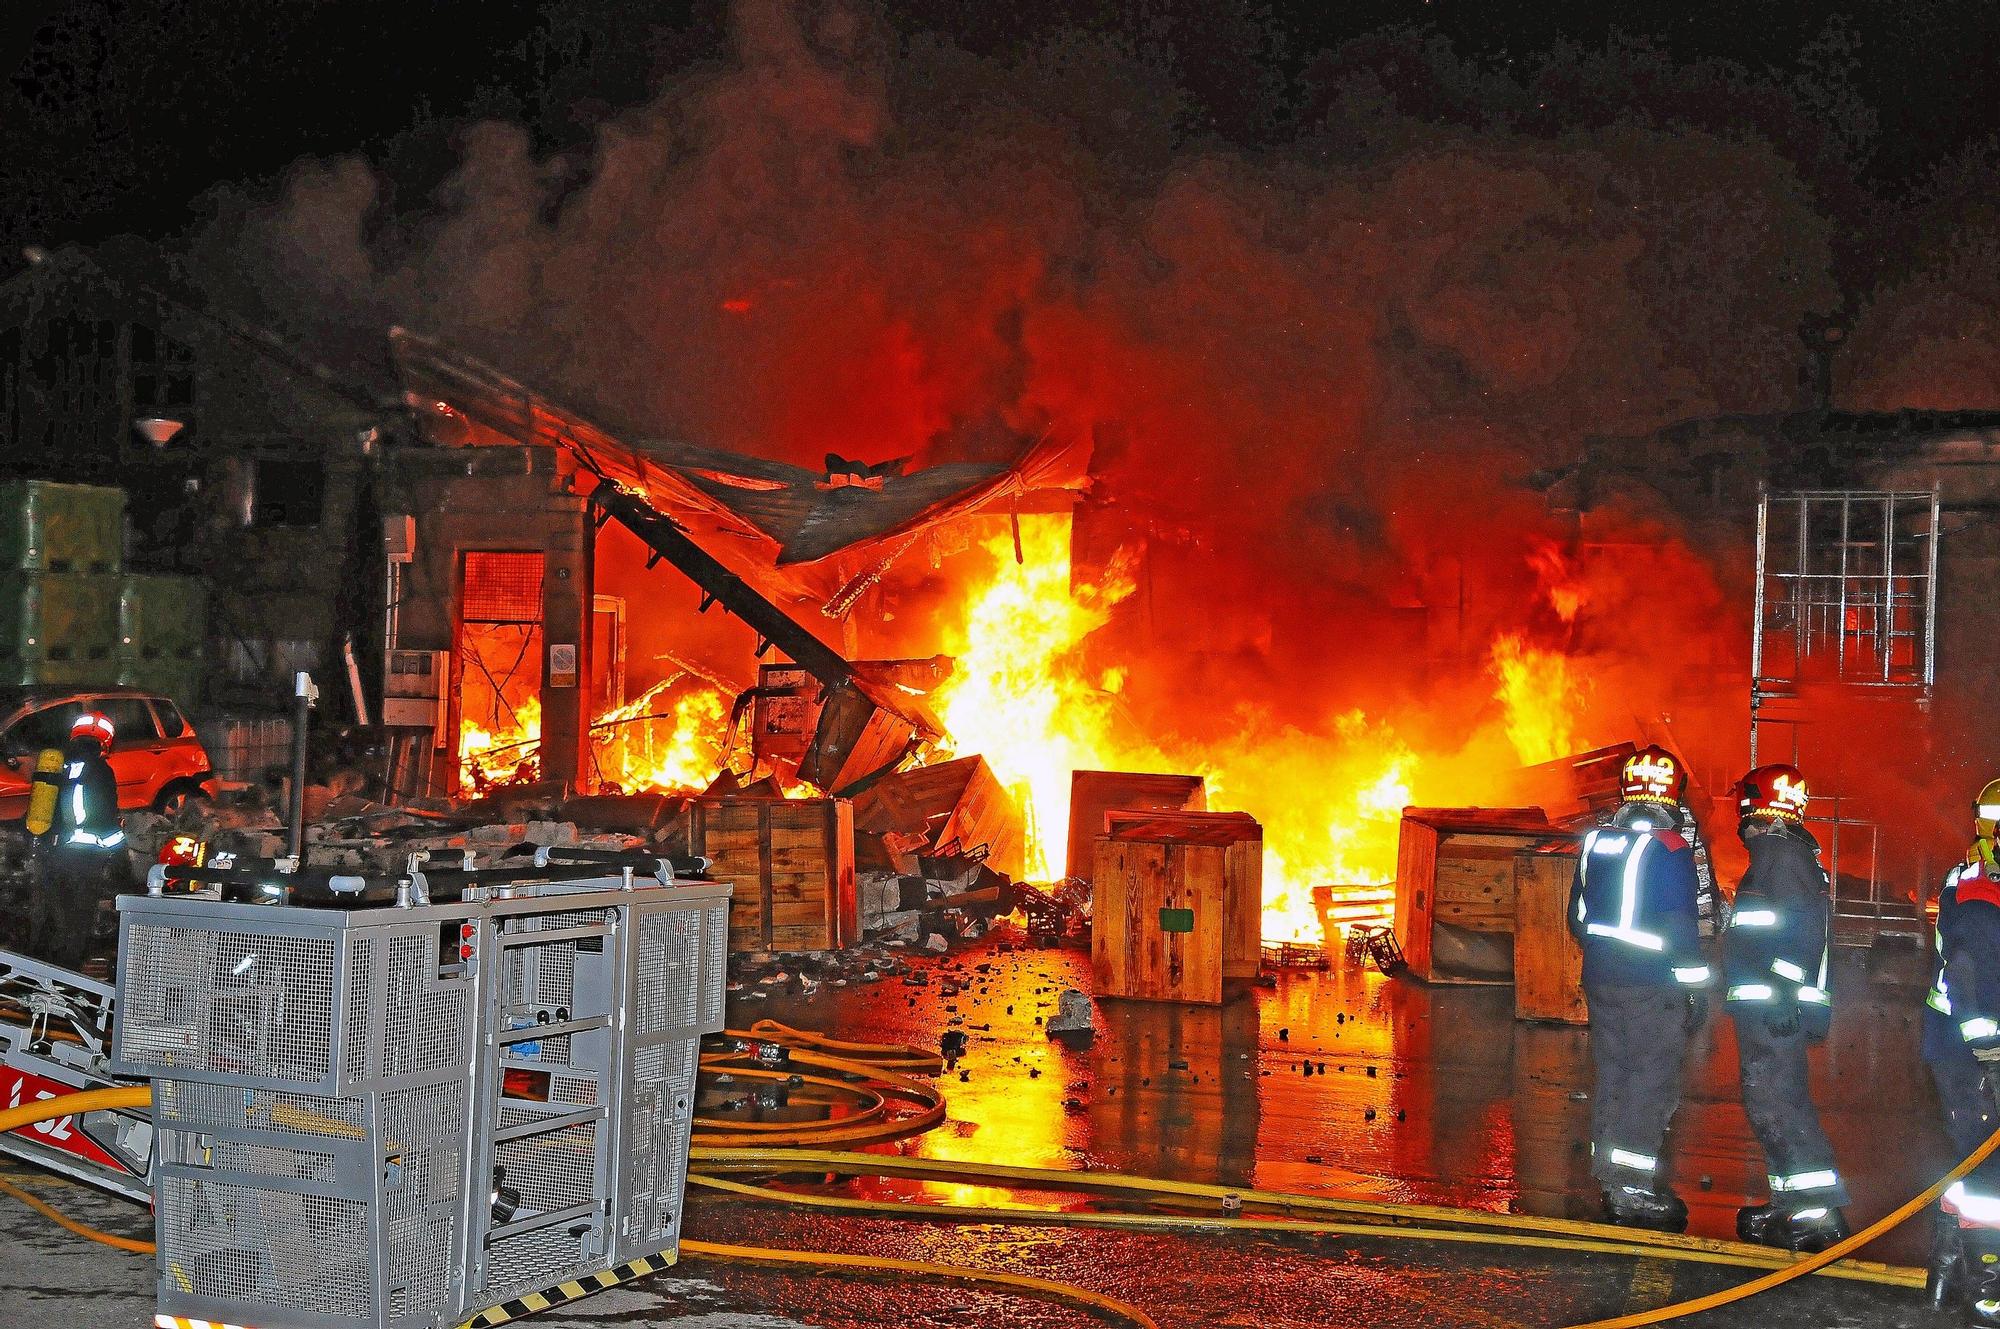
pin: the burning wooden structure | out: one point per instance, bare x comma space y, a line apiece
773, 545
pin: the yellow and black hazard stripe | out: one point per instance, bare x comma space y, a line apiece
528, 1303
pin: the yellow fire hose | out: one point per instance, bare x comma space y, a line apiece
1657, 1244
1811, 1262
70, 1105
136, 1245
1751, 1257
871, 1061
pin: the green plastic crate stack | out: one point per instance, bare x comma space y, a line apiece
49, 527
162, 623
61, 550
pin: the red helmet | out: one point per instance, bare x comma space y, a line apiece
1773, 791
183, 851
1652, 775
93, 724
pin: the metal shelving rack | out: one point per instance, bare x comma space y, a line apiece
1846, 607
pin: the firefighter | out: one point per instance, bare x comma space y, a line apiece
86, 861
1633, 910
1961, 1044
1774, 958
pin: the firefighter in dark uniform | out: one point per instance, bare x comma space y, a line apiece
1961, 1044
1774, 974
1633, 910
86, 862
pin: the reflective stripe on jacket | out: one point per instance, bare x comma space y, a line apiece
1962, 1009
1632, 909
1776, 949
87, 806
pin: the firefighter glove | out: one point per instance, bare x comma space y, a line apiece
1782, 1021
1988, 1057
1697, 1012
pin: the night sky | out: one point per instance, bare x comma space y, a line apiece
117, 114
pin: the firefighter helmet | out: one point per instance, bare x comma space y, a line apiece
1777, 791
1652, 775
1986, 810
93, 725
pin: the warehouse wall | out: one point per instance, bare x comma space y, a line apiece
495, 499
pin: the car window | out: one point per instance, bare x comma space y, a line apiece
131, 719
172, 723
46, 728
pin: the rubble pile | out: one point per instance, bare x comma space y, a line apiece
917, 887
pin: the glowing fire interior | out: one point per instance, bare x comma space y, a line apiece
1023, 696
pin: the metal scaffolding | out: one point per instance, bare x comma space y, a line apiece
1846, 590
1846, 600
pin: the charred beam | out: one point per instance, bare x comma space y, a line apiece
773, 625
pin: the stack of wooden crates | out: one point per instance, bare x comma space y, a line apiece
1177, 904
791, 861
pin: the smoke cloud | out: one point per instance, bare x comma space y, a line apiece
1332, 386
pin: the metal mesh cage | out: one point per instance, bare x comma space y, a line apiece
661, 1099
360, 973
244, 1003
425, 1024
275, 1248
669, 963
530, 1261
333, 1103
714, 962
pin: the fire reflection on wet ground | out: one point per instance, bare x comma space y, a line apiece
1347, 1082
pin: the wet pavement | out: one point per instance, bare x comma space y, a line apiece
1427, 1094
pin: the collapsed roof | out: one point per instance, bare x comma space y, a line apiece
803, 538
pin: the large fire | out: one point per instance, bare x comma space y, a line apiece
673, 737
665, 738
1024, 696
1541, 691
505, 754
1021, 696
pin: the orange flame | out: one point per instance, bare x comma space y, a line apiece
658, 741
1561, 578
1330, 804
1542, 692
509, 755
1019, 696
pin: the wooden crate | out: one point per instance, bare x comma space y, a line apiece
952, 807
1150, 866
792, 861
1456, 888
1094, 793
1548, 964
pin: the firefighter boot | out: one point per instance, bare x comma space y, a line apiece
1636, 1206
1759, 1223
1809, 1231
1981, 1276
1944, 1281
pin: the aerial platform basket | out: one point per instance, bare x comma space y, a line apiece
396, 1117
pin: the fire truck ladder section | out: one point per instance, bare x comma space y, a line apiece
55, 1036
1845, 614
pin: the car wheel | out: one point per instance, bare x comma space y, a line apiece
177, 798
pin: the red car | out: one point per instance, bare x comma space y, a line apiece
159, 762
